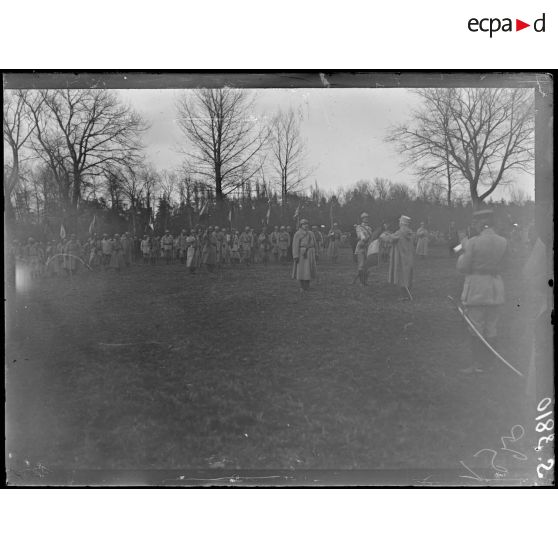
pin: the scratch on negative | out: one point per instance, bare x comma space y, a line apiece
325, 83
230, 479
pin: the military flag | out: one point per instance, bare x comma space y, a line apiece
92, 226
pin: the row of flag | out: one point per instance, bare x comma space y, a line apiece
203, 211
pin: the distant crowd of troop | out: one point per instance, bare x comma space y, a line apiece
211, 248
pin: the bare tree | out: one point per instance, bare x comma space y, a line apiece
17, 128
477, 136
81, 133
224, 135
169, 183
288, 152
380, 188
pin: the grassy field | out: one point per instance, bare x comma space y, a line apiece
156, 369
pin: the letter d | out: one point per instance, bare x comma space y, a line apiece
535, 25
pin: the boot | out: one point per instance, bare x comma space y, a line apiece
477, 358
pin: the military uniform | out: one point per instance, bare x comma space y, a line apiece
246, 243
334, 242
364, 237
401, 259
209, 253
167, 245
274, 239
304, 255
283, 244
483, 290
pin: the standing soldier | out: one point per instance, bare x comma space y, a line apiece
401, 261
117, 256
364, 237
92, 257
154, 245
283, 244
167, 244
319, 241
72, 251
50, 251
209, 257
126, 243
422, 242
334, 236
235, 247
145, 249
182, 246
290, 247
482, 262
191, 249
58, 262
304, 256
220, 239
384, 243
264, 246
106, 247
246, 242
254, 249
274, 240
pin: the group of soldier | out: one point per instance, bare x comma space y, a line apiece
483, 256
68, 255
209, 248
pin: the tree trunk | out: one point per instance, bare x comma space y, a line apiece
449, 176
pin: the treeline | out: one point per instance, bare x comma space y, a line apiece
76, 158
171, 201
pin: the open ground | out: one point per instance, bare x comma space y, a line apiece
156, 369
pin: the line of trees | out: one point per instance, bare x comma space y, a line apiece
72, 154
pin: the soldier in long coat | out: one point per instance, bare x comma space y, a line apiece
482, 262
145, 249
334, 236
274, 239
126, 243
401, 260
167, 243
304, 256
246, 243
284, 240
106, 247
264, 246
182, 246
209, 254
422, 241
117, 256
191, 248
319, 241
385, 245
364, 237
72, 250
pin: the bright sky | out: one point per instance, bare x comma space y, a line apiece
343, 128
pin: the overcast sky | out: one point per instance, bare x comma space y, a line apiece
343, 128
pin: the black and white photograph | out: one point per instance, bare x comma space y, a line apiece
279, 279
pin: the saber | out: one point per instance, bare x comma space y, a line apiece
485, 342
